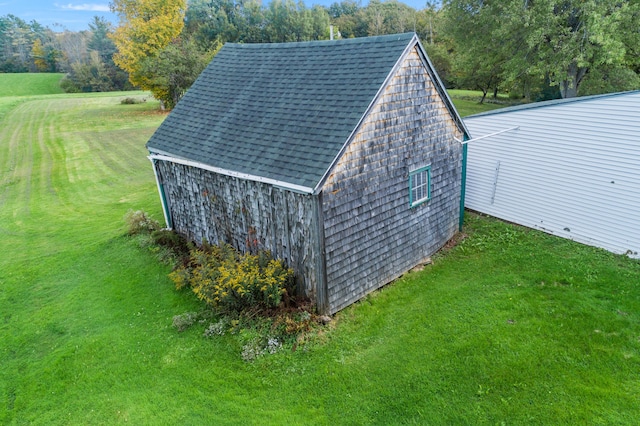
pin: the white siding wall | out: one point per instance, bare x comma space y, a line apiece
572, 169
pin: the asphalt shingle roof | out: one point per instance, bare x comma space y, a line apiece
280, 111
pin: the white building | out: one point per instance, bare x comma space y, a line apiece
570, 168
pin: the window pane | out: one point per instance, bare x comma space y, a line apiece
419, 186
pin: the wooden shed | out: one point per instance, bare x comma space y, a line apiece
340, 157
567, 167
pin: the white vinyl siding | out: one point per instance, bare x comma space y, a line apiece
572, 169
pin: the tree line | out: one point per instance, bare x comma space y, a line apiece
544, 48
175, 39
534, 49
85, 56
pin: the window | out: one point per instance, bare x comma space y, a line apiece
419, 186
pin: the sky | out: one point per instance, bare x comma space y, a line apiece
76, 15
58, 15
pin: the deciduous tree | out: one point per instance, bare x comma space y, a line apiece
174, 69
524, 41
480, 50
39, 56
569, 38
349, 18
146, 27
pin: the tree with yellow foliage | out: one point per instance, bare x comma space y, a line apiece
39, 56
146, 27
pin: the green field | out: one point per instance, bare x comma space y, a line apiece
467, 102
25, 84
511, 326
463, 93
466, 107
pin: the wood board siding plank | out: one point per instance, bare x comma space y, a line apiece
245, 214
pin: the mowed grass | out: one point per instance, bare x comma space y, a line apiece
467, 102
24, 84
466, 107
510, 326
463, 93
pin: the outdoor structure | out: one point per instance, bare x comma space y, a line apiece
340, 157
569, 167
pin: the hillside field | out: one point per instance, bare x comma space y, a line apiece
509, 326
25, 84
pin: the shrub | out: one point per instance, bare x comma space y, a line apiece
139, 222
184, 321
172, 241
69, 86
228, 281
132, 101
259, 346
252, 350
216, 329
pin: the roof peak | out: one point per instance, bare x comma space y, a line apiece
297, 44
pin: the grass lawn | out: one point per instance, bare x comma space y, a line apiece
467, 102
24, 84
510, 326
462, 93
466, 107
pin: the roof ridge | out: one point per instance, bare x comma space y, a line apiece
355, 40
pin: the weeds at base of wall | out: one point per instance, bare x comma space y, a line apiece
248, 296
229, 281
257, 335
139, 222
166, 246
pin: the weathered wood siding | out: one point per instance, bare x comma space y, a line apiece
372, 236
246, 214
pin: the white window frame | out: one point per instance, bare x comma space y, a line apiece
419, 186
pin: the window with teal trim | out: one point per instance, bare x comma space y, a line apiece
419, 186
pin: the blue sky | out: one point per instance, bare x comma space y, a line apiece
58, 15
76, 15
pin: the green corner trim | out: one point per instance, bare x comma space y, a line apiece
463, 185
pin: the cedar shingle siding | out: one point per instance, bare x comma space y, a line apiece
371, 234
308, 154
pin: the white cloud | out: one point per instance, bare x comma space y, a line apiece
91, 7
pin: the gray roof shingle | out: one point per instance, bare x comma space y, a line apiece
279, 111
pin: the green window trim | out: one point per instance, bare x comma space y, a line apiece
419, 186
